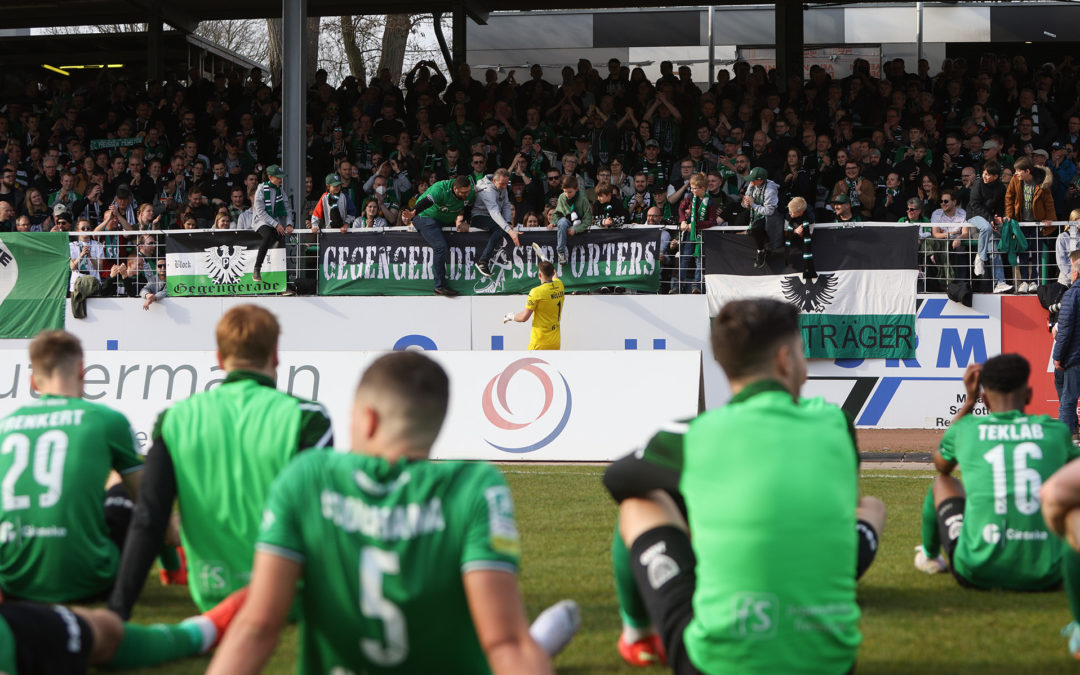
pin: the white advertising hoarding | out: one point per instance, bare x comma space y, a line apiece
923, 392
504, 406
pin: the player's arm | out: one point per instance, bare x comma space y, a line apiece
971, 387
523, 315
315, 427
499, 617
148, 525
254, 632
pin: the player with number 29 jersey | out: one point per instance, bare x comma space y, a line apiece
55, 456
384, 548
1005, 457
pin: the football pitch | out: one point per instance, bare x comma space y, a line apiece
912, 623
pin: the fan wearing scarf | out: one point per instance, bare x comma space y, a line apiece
696, 212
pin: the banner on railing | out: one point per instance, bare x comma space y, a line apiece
221, 263
400, 263
33, 282
861, 304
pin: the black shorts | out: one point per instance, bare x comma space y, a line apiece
48, 638
950, 522
868, 545
663, 563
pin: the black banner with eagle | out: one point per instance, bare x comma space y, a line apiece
857, 299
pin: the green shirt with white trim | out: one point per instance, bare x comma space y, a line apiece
55, 456
384, 549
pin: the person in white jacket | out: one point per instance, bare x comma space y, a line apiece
491, 212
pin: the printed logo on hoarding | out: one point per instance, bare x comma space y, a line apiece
526, 413
813, 296
226, 264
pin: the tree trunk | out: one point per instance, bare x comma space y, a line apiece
311, 49
352, 50
273, 57
395, 37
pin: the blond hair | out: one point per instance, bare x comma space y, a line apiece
248, 334
796, 205
698, 180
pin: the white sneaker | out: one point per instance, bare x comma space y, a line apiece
929, 565
1033, 287
1002, 287
980, 266
1022, 288
556, 626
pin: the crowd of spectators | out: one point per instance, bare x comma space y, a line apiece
113, 155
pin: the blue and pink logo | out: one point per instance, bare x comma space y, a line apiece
540, 411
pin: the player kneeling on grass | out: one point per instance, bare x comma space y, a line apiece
408, 565
544, 305
726, 593
38, 638
990, 525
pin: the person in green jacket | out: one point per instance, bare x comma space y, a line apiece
573, 215
442, 205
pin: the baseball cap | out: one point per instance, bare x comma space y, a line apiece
332, 180
1042, 152
990, 144
841, 199
652, 143
123, 191
757, 173
1056, 145
582, 139
59, 209
732, 140
275, 171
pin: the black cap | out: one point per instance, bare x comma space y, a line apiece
123, 191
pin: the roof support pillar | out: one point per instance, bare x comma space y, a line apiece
293, 109
458, 37
155, 61
789, 41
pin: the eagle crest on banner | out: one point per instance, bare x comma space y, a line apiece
810, 296
225, 264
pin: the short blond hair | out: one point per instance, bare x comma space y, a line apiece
698, 180
796, 205
248, 334
1074, 215
55, 350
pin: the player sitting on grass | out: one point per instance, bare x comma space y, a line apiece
216, 453
1060, 498
739, 601
544, 305
408, 565
990, 525
38, 638
60, 531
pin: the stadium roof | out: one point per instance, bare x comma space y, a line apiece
184, 14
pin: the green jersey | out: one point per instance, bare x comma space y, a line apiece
1005, 457
7, 650
775, 577
55, 456
384, 548
447, 205
227, 445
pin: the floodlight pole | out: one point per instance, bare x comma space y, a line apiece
712, 49
293, 66
918, 34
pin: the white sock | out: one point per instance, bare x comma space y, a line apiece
208, 630
556, 626
632, 634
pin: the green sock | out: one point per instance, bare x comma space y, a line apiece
631, 607
169, 558
1070, 567
931, 538
146, 646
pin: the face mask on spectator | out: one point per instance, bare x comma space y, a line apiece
380, 190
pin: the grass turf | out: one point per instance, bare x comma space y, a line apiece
912, 623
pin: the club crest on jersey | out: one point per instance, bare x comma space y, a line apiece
226, 264
525, 413
813, 296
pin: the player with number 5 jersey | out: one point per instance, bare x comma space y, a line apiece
991, 525
55, 457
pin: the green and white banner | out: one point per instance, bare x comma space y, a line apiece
400, 263
221, 263
861, 304
33, 282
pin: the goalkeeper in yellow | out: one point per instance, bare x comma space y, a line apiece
544, 305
